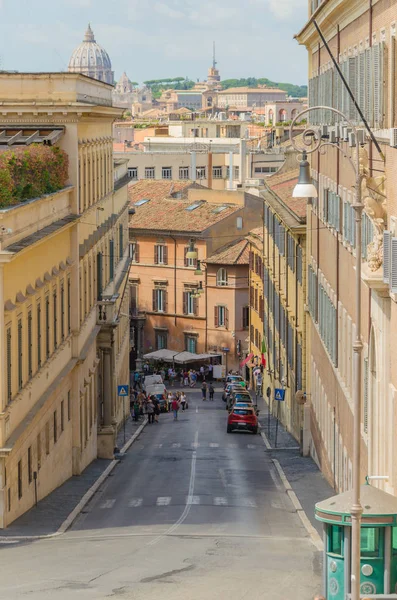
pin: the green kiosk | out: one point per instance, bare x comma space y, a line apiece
378, 544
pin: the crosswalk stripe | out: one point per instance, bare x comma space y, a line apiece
192, 499
163, 500
232, 445
220, 501
176, 445
251, 446
135, 502
108, 503
196, 445
158, 445
248, 502
214, 445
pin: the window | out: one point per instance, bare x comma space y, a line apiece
161, 340
69, 306
266, 170
239, 223
160, 254
200, 172
236, 172
221, 316
217, 172
111, 260
191, 344
20, 354
331, 209
166, 172
30, 466
160, 300
291, 252
221, 277
9, 365
299, 264
133, 300
150, 173
47, 438
367, 233
121, 241
63, 308
133, 172
38, 451
99, 263
30, 345
370, 542
190, 306
55, 427
69, 407
62, 416
313, 289
134, 252
20, 479
327, 321
183, 172
55, 316
246, 317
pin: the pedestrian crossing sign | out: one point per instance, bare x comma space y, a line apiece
279, 394
123, 390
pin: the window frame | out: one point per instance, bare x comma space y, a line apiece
131, 170
150, 173
222, 281
166, 173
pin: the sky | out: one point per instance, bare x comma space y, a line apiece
151, 39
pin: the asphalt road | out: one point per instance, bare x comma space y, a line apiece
191, 513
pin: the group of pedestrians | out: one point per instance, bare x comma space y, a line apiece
141, 404
207, 388
177, 401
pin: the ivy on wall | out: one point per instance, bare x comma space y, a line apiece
30, 172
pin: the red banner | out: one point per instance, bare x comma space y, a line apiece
246, 360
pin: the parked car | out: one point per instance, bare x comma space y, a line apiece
158, 390
235, 379
242, 419
152, 380
236, 395
246, 405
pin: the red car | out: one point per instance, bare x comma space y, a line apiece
242, 419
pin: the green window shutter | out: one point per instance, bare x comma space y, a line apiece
386, 256
365, 395
99, 264
111, 261
368, 86
9, 364
121, 244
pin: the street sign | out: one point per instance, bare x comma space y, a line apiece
279, 395
123, 390
225, 349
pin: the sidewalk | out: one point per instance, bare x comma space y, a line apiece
51, 512
303, 475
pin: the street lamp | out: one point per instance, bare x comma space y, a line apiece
304, 189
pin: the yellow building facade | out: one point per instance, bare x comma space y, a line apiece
63, 293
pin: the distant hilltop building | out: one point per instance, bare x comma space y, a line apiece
89, 58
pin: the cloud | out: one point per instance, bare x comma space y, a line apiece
284, 9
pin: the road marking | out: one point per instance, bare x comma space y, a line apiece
220, 501
108, 503
214, 445
196, 409
188, 504
192, 499
248, 503
135, 502
251, 446
176, 445
158, 445
195, 445
232, 445
163, 500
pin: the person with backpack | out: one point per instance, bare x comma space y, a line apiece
150, 410
211, 391
204, 390
175, 407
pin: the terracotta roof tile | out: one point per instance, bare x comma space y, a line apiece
234, 253
158, 189
282, 184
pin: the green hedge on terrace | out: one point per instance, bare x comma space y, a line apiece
30, 172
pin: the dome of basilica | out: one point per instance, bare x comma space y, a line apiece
90, 59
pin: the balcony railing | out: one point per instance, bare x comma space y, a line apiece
106, 311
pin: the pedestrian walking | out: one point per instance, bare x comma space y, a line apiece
156, 403
183, 401
210, 372
185, 379
136, 410
202, 373
204, 390
175, 408
211, 391
150, 410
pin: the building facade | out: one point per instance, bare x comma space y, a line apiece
164, 283
246, 98
277, 296
63, 348
364, 46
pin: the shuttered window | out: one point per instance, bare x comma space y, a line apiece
365, 395
20, 354
393, 266
291, 253
55, 317
121, 241
386, 256
299, 264
298, 369
349, 224
63, 309
367, 234
290, 344
9, 363
69, 306
312, 291
38, 317
99, 263
30, 345
327, 322
331, 209
111, 260
47, 327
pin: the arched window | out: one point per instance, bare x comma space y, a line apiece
221, 277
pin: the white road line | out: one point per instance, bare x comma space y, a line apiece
248, 503
189, 497
135, 502
232, 445
192, 499
195, 445
214, 445
108, 503
163, 500
176, 445
196, 409
251, 446
220, 501
158, 445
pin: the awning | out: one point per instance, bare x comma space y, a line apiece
180, 358
246, 360
164, 354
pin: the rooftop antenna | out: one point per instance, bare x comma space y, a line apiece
214, 63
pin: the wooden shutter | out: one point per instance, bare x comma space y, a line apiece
216, 316
136, 256
251, 260
165, 297
393, 266
352, 70
165, 255
195, 306
386, 256
185, 303
99, 275
154, 296
368, 86
111, 260
226, 317
121, 242
361, 82
155, 259
186, 250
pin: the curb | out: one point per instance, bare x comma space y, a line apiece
314, 536
67, 523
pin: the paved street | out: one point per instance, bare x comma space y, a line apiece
190, 513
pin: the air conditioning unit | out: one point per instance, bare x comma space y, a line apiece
393, 137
